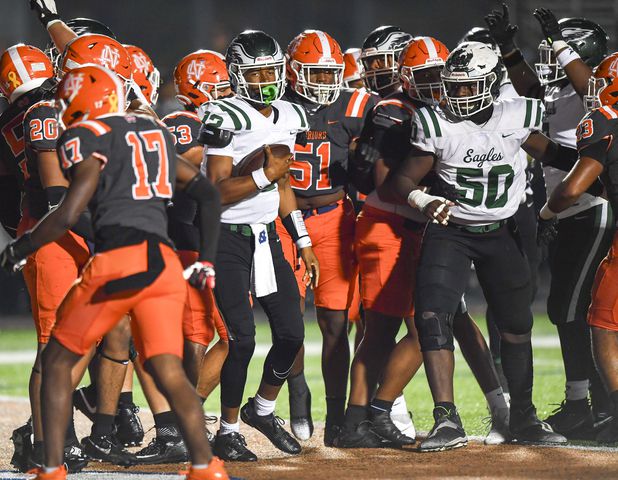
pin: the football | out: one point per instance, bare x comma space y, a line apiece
257, 159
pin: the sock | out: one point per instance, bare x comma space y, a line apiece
126, 398
226, 428
50, 469
103, 425
199, 466
448, 406
496, 400
380, 406
576, 390
262, 406
399, 406
354, 415
614, 398
335, 410
165, 424
70, 437
517, 365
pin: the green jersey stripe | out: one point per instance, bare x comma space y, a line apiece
303, 121
233, 116
539, 112
424, 123
238, 109
434, 120
528, 113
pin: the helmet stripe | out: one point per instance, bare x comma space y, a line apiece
431, 48
22, 71
326, 52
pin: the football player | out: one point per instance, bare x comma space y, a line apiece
598, 157
585, 229
123, 167
471, 144
199, 77
250, 255
352, 71
319, 181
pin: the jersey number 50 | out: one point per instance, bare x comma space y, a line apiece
499, 180
154, 141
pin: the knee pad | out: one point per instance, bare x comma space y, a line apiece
241, 349
435, 331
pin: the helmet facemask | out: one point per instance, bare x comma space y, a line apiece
386, 75
480, 97
423, 83
322, 93
548, 69
595, 87
259, 92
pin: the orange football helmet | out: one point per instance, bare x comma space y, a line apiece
22, 68
603, 84
309, 53
87, 92
201, 77
145, 75
352, 67
420, 64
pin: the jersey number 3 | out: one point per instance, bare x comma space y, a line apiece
154, 142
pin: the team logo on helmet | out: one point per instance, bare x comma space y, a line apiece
140, 62
196, 69
110, 57
73, 84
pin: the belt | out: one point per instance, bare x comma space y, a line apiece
244, 229
310, 212
492, 227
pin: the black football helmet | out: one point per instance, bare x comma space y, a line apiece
383, 44
587, 38
80, 26
480, 34
250, 50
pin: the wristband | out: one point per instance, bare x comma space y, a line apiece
559, 45
295, 226
546, 213
303, 242
566, 56
260, 179
513, 58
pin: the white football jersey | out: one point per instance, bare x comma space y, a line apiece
252, 130
480, 161
564, 110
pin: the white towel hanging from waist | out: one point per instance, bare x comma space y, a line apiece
263, 279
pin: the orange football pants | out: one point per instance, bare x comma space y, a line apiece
88, 313
603, 311
49, 273
200, 317
387, 248
332, 236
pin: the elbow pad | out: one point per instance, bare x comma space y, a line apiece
214, 137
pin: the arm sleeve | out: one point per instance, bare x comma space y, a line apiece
208, 219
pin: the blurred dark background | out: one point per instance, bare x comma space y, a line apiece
168, 30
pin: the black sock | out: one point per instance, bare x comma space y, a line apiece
165, 424
297, 383
70, 437
380, 406
126, 398
90, 393
335, 411
517, 365
448, 406
103, 425
354, 415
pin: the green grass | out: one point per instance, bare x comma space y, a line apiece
548, 373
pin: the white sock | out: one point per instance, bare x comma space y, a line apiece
263, 407
399, 406
496, 400
577, 390
199, 466
226, 428
50, 469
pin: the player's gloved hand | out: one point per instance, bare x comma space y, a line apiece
501, 29
10, 260
549, 24
546, 230
200, 275
46, 11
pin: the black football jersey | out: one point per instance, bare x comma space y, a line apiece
138, 169
595, 139
185, 127
40, 135
320, 166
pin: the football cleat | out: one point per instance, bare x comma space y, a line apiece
22, 447
609, 432
404, 423
361, 437
74, 457
571, 416
447, 432
384, 426
233, 447
107, 448
163, 450
215, 471
526, 427
59, 474
210, 420
129, 430
331, 432
271, 427
301, 422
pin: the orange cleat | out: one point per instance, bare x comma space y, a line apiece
59, 474
215, 471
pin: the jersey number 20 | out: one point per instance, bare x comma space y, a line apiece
154, 142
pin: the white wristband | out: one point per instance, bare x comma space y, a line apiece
566, 56
419, 199
260, 179
546, 213
559, 45
303, 242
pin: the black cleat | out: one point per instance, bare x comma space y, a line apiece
361, 437
74, 457
107, 449
330, 433
85, 400
210, 420
383, 425
571, 416
271, 427
129, 430
232, 447
608, 433
22, 447
447, 432
163, 450
526, 428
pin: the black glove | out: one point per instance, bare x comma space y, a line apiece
501, 29
200, 275
546, 230
549, 24
45, 10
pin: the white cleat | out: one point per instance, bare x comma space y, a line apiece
499, 432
